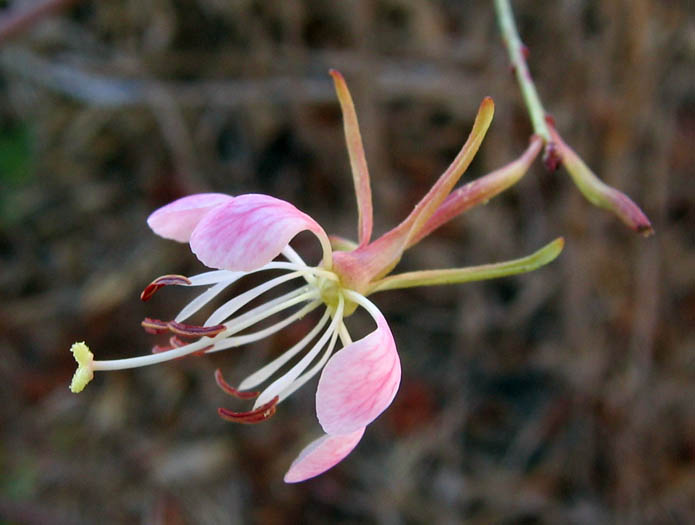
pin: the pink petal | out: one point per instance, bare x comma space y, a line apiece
359, 382
249, 232
178, 219
321, 455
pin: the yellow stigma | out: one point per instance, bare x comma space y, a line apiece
85, 367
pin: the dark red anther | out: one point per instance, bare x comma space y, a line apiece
192, 330
154, 326
229, 389
164, 280
262, 413
158, 349
175, 342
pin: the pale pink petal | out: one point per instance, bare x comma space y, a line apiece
321, 455
359, 382
178, 219
249, 232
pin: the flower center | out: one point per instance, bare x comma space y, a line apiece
330, 291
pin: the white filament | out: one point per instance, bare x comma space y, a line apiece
312, 371
268, 370
260, 312
200, 301
227, 309
286, 379
232, 342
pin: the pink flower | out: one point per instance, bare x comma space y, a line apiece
242, 235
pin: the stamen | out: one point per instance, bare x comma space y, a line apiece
229, 389
345, 338
192, 330
214, 277
232, 342
271, 307
158, 349
203, 299
293, 256
290, 376
154, 326
306, 376
175, 342
268, 370
256, 415
157, 326
164, 280
231, 306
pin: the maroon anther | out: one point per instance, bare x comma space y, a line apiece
192, 330
175, 342
262, 413
164, 280
158, 349
229, 389
154, 326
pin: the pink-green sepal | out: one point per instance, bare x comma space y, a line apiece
480, 190
358, 160
368, 263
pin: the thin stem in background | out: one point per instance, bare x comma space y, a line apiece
517, 54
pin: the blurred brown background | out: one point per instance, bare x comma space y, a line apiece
563, 396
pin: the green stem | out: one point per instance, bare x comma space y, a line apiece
515, 49
474, 273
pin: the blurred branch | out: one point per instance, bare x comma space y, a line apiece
21, 19
404, 78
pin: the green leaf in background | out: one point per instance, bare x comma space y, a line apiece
15, 155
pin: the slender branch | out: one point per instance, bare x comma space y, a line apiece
395, 79
517, 54
20, 19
